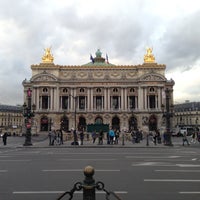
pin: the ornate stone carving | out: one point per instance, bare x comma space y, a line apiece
152, 77
131, 74
145, 120
44, 78
82, 75
115, 75
98, 74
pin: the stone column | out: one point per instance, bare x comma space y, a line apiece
105, 99
125, 97
88, 99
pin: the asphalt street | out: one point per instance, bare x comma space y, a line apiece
138, 172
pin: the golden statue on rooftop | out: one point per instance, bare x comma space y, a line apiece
47, 57
149, 57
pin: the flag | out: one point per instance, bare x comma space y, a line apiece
107, 58
91, 58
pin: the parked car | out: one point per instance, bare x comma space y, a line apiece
189, 130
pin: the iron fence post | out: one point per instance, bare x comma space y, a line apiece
89, 184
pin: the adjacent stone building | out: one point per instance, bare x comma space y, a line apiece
11, 119
123, 96
187, 115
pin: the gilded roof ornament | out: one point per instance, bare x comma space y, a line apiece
47, 57
149, 57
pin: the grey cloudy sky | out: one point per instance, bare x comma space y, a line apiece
121, 28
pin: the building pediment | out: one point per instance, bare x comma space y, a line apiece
44, 76
152, 77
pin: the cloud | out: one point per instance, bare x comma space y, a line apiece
74, 29
181, 43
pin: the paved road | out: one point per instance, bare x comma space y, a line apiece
133, 173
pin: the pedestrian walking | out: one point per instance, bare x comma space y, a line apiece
185, 139
193, 138
94, 135
117, 137
81, 136
53, 137
61, 136
101, 137
5, 135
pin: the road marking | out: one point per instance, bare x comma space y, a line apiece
194, 159
171, 180
163, 170
4, 156
15, 160
163, 164
190, 192
187, 165
152, 164
82, 159
60, 192
2, 171
79, 170
153, 157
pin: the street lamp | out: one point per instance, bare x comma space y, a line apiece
74, 133
28, 113
168, 114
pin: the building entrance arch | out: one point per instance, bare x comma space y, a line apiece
152, 123
116, 123
82, 123
64, 123
132, 123
44, 124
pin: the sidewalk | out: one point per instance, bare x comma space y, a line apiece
177, 142
43, 142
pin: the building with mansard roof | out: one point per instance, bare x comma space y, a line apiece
123, 96
11, 119
187, 114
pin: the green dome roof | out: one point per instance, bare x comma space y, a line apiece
98, 53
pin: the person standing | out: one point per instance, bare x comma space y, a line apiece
5, 135
111, 135
185, 139
49, 138
53, 137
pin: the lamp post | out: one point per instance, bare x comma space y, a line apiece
28, 113
168, 114
75, 105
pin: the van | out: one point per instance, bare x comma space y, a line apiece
189, 130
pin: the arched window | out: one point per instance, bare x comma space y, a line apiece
132, 90
65, 90
98, 120
45, 90
152, 89
82, 90
98, 90
115, 90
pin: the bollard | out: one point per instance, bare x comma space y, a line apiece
89, 184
